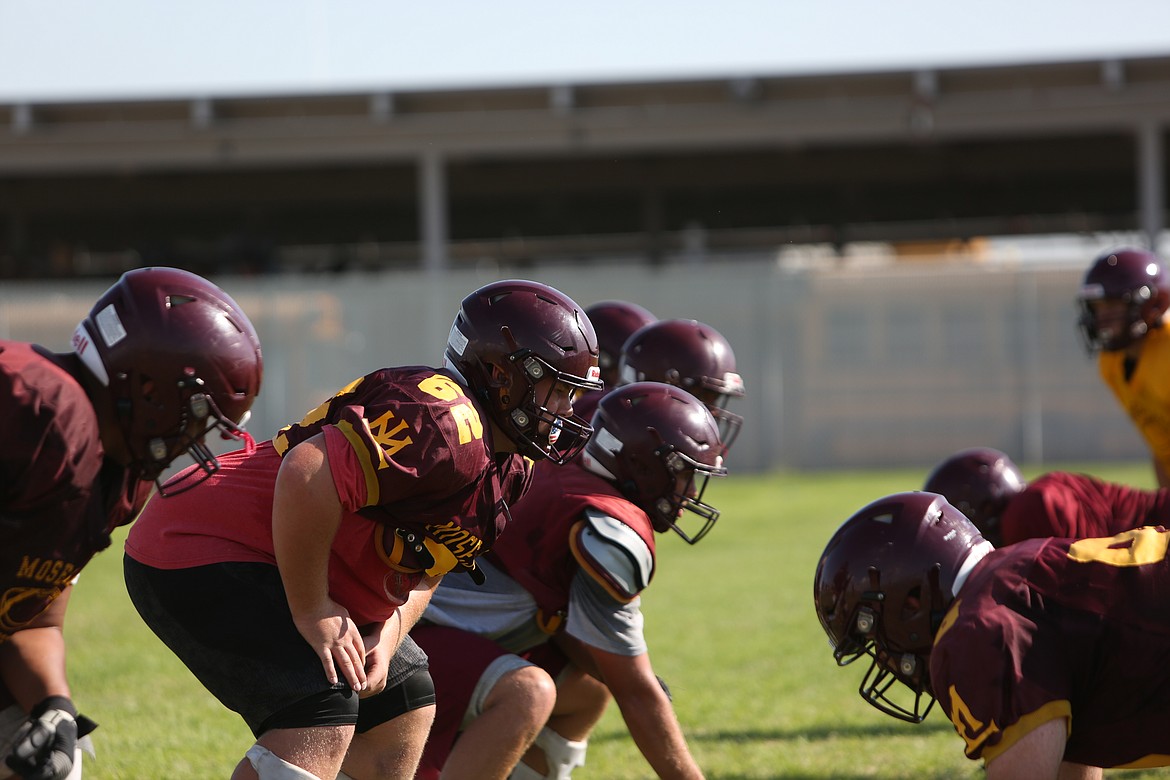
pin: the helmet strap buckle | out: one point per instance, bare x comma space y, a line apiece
521, 418
158, 449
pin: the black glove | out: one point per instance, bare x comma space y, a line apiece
45, 743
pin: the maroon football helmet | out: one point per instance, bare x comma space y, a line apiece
979, 482
506, 338
1134, 277
690, 355
177, 358
660, 445
614, 322
883, 585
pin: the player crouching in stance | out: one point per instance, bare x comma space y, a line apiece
163, 358
562, 602
1047, 655
287, 582
985, 485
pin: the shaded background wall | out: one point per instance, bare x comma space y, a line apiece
846, 364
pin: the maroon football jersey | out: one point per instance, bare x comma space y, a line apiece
1077, 506
408, 450
1063, 628
61, 496
427, 454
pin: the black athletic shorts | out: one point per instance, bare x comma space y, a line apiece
230, 624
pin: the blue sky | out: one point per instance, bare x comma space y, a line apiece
69, 49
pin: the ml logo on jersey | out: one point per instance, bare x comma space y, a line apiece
384, 432
970, 728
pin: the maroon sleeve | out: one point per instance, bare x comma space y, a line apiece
58, 504
51, 454
1078, 506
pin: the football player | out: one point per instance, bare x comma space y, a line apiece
287, 582
614, 322
985, 485
562, 601
1049, 656
690, 355
1123, 301
162, 359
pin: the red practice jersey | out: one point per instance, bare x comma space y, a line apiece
540, 550
1078, 506
61, 496
1061, 628
409, 452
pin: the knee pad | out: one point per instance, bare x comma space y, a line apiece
563, 756
487, 680
272, 767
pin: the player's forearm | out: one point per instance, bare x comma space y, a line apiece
416, 603
656, 731
32, 665
404, 618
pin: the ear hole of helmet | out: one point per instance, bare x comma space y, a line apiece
146, 389
912, 604
911, 701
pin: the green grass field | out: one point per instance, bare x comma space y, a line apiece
731, 628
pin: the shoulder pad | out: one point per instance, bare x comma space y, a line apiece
614, 554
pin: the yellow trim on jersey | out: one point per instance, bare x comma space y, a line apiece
369, 469
280, 440
948, 620
1024, 726
583, 561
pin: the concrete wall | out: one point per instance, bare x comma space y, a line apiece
898, 364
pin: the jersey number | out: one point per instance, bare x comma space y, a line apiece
466, 418
969, 727
1138, 547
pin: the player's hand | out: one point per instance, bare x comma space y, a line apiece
378, 655
338, 644
44, 745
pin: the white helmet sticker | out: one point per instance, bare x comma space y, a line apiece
83, 346
734, 383
607, 441
110, 325
456, 340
